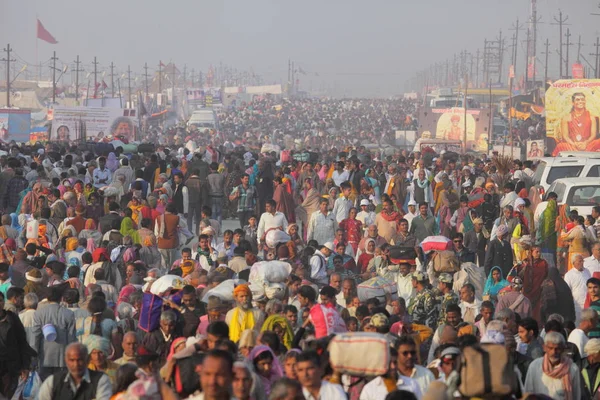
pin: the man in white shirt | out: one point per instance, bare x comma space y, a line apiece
343, 204
102, 175
340, 174
592, 263
578, 336
576, 279
271, 219
469, 305
365, 216
407, 364
309, 371
538, 381
322, 224
412, 212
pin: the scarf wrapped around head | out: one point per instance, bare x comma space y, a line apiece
90, 224
95, 342
71, 244
100, 252
282, 322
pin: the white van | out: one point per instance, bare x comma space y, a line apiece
550, 169
580, 194
202, 119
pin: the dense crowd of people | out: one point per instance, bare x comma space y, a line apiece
119, 278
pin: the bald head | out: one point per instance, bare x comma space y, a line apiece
129, 344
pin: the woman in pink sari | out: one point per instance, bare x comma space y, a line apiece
266, 365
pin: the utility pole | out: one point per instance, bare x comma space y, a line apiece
527, 58
500, 56
160, 76
54, 77
568, 45
184, 76
146, 78
192, 78
516, 27
477, 68
112, 79
597, 55
560, 22
95, 75
8, 60
129, 84
547, 53
579, 49
77, 71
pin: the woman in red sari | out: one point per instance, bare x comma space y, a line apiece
352, 227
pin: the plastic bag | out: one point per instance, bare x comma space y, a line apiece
223, 290
166, 283
270, 272
275, 236
32, 386
275, 291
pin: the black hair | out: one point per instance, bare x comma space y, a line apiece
308, 292
219, 329
309, 356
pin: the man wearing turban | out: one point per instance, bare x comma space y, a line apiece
243, 316
99, 349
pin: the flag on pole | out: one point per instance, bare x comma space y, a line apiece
43, 34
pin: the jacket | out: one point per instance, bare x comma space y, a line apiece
51, 354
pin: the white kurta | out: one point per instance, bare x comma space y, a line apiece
538, 382
577, 283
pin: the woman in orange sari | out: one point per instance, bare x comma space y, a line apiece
576, 240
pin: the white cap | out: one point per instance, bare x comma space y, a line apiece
365, 202
412, 203
329, 245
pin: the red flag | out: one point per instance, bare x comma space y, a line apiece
43, 34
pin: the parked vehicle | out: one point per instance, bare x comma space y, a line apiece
580, 194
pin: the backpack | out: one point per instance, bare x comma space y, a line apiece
482, 377
445, 261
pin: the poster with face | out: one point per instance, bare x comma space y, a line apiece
97, 123
572, 115
535, 149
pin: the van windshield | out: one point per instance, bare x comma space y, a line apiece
570, 171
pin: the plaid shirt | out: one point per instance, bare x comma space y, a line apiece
247, 199
15, 186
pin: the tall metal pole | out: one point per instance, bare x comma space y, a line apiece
77, 71
568, 44
54, 78
112, 79
95, 76
465, 116
8, 60
546, 64
146, 79
560, 22
129, 84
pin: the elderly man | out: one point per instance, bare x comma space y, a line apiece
576, 279
579, 336
554, 375
159, 340
100, 349
476, 241
243, 316
590, 372
77, 380
129, 345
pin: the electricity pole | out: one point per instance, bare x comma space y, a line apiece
546, 64
560, 22
517, 27
146, 77
129, 84
95, 75
597, 55
192, 78
160, 76
568, 45
112, 80
77, 71
8, 60
54, 77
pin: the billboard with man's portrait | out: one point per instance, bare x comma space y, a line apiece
572, 115
535, 149
449, 123
70, 123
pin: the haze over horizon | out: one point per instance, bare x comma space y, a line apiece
347, 48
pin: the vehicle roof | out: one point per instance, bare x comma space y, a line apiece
585, 154
569, 160
577, 181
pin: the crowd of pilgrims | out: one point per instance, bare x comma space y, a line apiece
85, 234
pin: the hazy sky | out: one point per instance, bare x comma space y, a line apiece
358, 48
